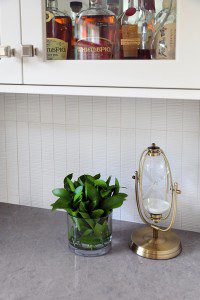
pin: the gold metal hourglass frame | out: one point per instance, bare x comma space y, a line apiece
154, 241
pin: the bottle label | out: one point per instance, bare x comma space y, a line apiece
49, 16
94, 48
166, 42
130, 40
56, 49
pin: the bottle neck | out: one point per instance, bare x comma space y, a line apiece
97, 4
144, 36
52, 4
147, 5
169, 3
131, 3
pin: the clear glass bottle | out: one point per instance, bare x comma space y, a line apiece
97, 33
59, 32
130, 38
146, 27
165, 42
76, 7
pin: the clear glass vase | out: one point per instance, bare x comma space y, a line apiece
89, 237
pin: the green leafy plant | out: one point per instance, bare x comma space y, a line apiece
89, 201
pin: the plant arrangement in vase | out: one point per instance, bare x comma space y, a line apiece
89, 202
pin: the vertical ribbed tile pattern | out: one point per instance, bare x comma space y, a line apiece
35, 148
44, 137
12, 162
23, 163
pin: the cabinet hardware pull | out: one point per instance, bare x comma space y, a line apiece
28, 51
6, 51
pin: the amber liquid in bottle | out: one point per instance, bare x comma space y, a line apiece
60, 27
97, 37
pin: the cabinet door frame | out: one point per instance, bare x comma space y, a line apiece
182, 73
10, 35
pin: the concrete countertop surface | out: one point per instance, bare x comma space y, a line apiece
35, 263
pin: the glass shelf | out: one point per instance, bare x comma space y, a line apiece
110, 30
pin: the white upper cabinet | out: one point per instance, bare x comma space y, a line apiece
10, 38
23, 22
181, 73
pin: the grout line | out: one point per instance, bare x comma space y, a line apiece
120, 166
17, 149
66, 139
41, 150
29, 149
79, 133
5, 139
92, 99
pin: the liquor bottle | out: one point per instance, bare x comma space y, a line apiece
97, 32
144, 51
130, 38
76, 7
165, 42
59, 32
115, 6
146, 25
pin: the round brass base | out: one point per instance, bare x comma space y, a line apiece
166, 246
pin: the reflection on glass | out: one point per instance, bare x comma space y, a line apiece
111, 29
97, 32
59, 32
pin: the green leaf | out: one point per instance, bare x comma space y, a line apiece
82, 207
90, 179
72, 212
105, 194
71, 185
78, 189
78, 194
87, 232
113, 202
93, 194
87, 219
82, 179
65, 180
101, 183
61, 193
108, 180
90, 240
97, 213
80, 223
97, 176
98, 230
117, 187
61, 203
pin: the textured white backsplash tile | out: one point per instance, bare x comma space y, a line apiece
44, 137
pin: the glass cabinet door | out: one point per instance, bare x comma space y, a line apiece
10, 38
117, 43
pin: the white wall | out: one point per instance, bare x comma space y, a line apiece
42, 138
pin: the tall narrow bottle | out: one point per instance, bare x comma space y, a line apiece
146, 27
97, 32
59, 32
165, 42
76, 7
130, 38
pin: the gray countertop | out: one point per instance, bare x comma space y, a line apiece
35, 263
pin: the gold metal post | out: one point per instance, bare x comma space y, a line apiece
155, 233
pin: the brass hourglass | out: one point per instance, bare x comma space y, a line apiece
156, 197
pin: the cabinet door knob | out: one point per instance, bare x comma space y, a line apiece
28, 51
6, 51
